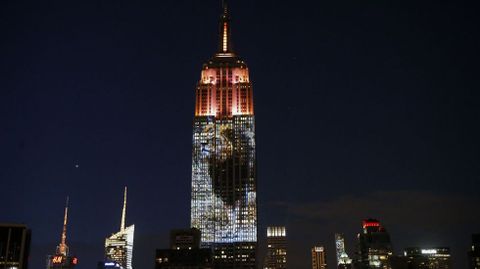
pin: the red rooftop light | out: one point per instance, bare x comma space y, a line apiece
371, 223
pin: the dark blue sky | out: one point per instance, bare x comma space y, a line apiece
363, 109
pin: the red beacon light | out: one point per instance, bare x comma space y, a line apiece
371, 223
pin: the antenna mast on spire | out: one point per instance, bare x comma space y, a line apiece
225, 7
225, 46
124, 210
63, 248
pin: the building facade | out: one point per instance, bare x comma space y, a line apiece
62, 258
474, 253
119, 246
374, 246
200, 258
343, 261
184, 252
185, 238
223, 200
276, 256
431, 258
319, 258
14, 246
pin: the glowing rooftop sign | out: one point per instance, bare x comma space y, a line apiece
429, 251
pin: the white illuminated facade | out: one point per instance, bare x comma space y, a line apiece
119, 246
342, 256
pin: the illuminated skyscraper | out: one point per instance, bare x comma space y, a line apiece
319, 259
374, 246
119, 246
431, 258
14, 246
224, 203
276, 248
343, 261
62, 258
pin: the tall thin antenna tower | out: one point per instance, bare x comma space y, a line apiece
62, 247
124, 210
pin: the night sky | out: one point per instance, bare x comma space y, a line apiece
363, 109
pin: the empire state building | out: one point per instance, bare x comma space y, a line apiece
224, 188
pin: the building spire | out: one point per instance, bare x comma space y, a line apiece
63, 248
225, 7
124, 210
225, 43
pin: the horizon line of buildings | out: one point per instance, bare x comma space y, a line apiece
373, 250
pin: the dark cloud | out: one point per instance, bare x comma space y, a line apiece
425, 208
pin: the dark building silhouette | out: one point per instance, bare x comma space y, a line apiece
276, 257
431, 258
185, 238
374, 248
184, 252
224, 201
399, 262
200, 258
474, 253
14, 246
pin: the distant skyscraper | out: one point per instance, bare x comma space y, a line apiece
184, 252
224, 203
200, 258
374, 246
319, 259
431, 258
343, 261
62, 258
14, 246
276, 257
474, 253
119, 246
185, 238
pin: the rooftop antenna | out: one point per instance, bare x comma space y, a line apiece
225, 7
225, 46
124, 210
63, 248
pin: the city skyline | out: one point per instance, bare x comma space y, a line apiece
363, 111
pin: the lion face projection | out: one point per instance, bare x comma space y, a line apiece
224, 168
